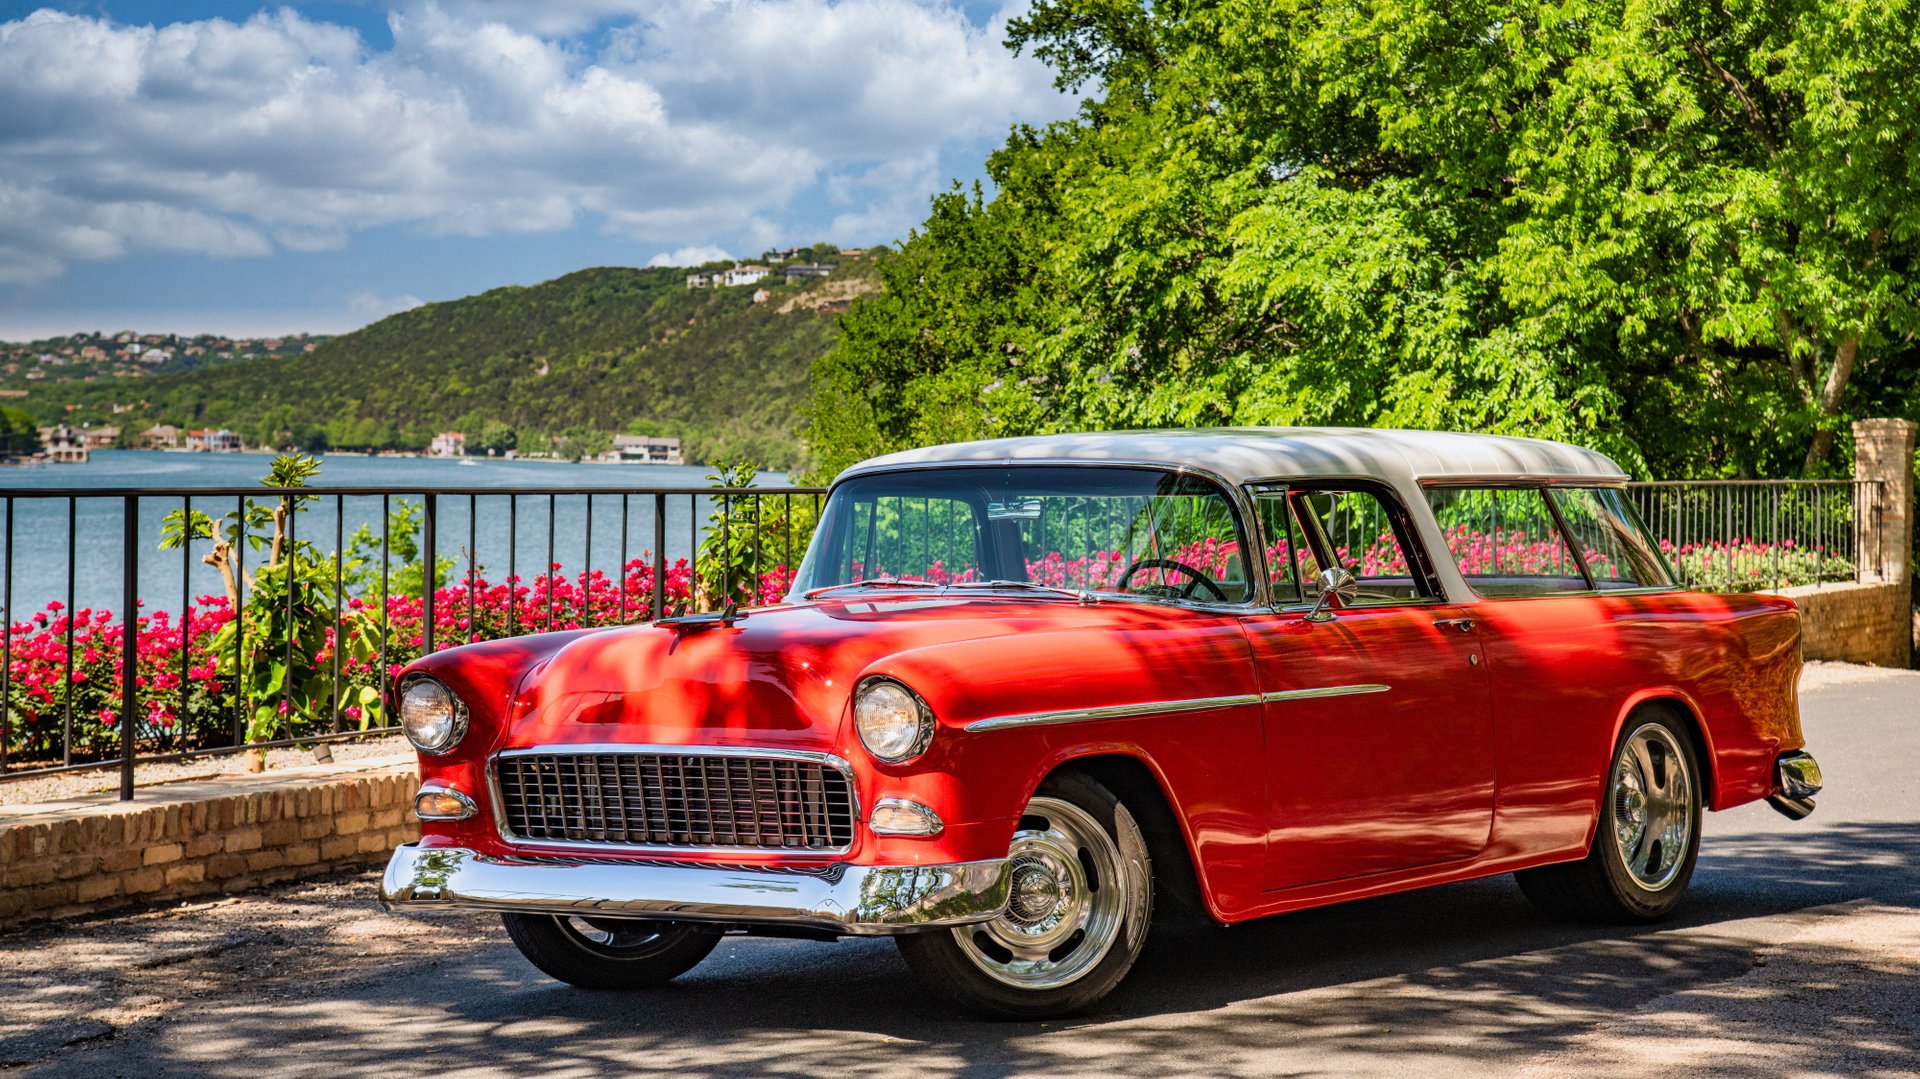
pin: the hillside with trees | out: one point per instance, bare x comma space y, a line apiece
1685, 234
560, 366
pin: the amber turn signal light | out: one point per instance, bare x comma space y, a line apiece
435, 802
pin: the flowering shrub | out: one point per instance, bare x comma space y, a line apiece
1747, 565
185, 701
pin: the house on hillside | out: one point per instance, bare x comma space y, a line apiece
62, 445
448, 444
802, 271
745, 275
161, 436
644, 450
207, 440
700, 280
99, 438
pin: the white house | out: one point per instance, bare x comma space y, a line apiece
745, 275
645, 450
448, 444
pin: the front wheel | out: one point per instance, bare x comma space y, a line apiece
1079, 898
1648, 835
609, 953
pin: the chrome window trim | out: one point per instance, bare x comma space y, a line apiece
1283, 487
1112, 711
831, 760
1236, 496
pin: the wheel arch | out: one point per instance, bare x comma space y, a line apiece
1180, 896
1682, 708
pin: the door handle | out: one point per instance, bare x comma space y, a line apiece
1464, 625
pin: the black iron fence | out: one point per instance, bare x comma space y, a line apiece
146, 624
1747, 535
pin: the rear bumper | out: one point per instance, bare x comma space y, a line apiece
847, 899
1796, 779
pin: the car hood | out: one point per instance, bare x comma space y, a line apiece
779, 678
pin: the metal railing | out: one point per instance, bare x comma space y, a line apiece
1746, 535
328, 599
315, 634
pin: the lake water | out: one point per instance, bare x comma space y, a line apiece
49, 534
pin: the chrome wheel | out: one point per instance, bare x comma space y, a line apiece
1652, 795
1069, 893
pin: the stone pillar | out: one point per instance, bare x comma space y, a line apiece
1883, 452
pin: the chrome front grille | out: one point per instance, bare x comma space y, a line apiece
660, 799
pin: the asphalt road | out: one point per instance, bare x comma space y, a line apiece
1798, 953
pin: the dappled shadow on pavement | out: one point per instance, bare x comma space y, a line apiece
1465, 975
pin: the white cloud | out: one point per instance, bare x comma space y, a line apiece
689, 256
368, 306
689, 122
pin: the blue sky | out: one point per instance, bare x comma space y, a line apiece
243, 169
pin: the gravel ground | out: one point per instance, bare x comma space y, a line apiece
76, 784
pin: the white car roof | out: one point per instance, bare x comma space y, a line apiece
1246, 454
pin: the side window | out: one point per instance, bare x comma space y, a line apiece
1358, 531
1286, 556
1611, 538
1505, 540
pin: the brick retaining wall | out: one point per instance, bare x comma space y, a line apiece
1856, 623
196, 839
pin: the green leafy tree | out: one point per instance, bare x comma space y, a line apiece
1677, 232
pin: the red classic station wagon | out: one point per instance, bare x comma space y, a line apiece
1028, 694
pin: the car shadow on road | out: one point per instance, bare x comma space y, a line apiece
1467, 972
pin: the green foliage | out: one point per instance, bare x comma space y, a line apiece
1682, 233
401, 569
752, 545
18, 433
580, 356
277, 653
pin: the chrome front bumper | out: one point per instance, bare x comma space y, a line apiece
856, 900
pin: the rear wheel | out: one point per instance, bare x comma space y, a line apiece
609, 953
1080, 896
1648, 836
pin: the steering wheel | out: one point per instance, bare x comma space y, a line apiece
1198, 578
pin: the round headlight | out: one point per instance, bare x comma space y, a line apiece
894, 723
433, 718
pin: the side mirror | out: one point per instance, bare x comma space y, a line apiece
1332, 582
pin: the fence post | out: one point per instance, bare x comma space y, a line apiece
1883, 454
129, 642
429, 556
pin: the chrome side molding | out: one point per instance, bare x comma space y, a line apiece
1113, 711
1162, 708
1323, 691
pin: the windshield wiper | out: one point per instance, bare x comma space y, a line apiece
1028, 586
870, 582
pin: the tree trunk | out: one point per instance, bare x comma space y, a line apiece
1829, 403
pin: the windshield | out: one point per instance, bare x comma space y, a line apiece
1138, 531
